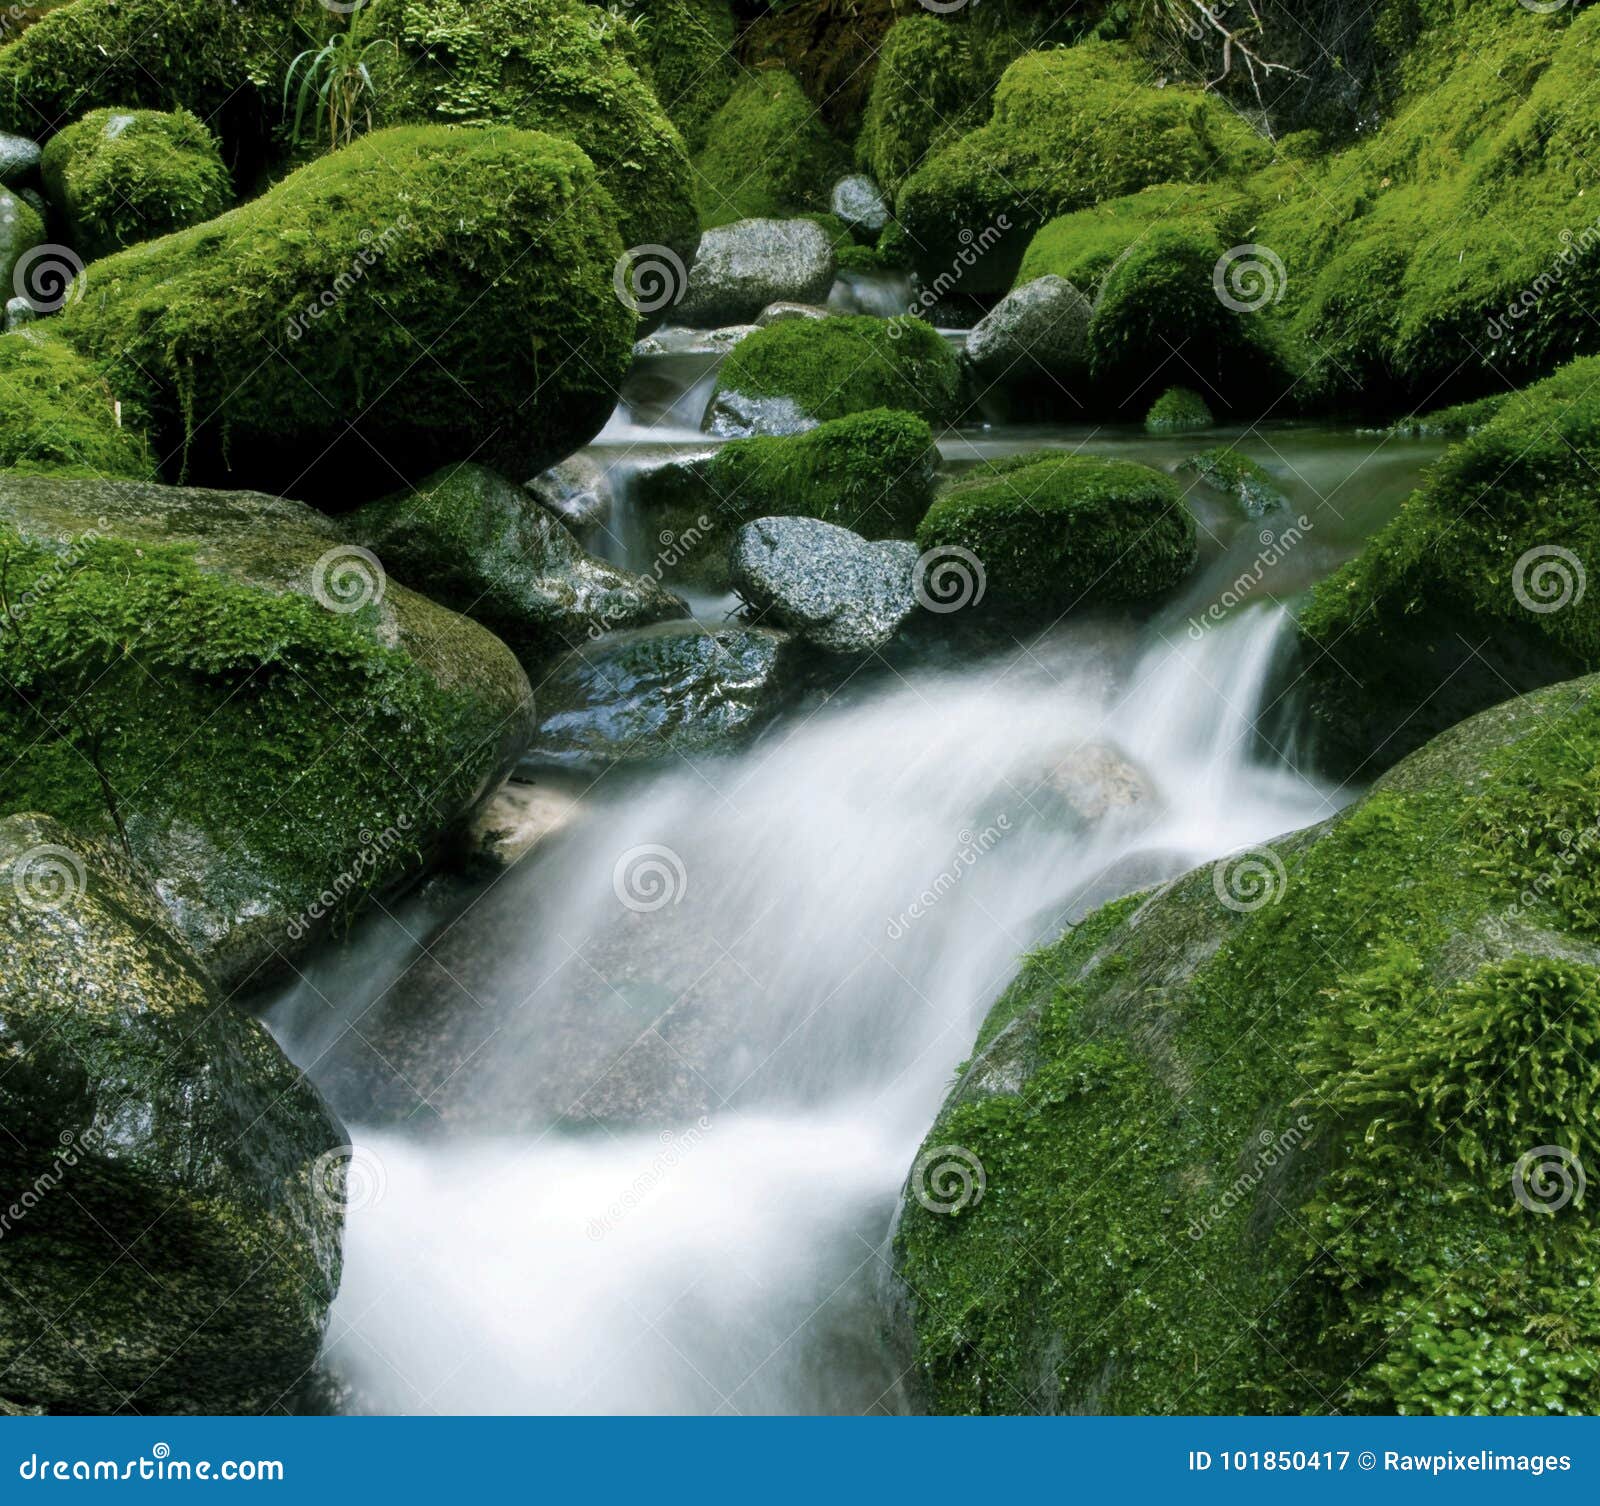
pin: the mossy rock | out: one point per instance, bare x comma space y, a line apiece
687, 49
120, 176
479, 544
1056, 532
871, 472
1179, 410
1458, 421
224, 62
767, 154
1247, 481
425, 293
59, 416
1069, 128
1299, 1120
21, 230
832, 367
175, 1185
1480, 587
279, 729
544, 65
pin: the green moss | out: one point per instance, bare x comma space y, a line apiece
426, 292
21, 229
1056, 532
119, 177
544, 65
57, 414
1455, 422
1429, 622
224, 62
766, 154
848, 364
1244, 479
1178, 410
1279, 1144
687, 47
1069, 129
934, 82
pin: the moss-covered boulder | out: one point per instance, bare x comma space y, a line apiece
276, 727
1247, 481
1311, 1122
224, 62
423, 294
551, 66
59, 415
827, 368
1055, 532
21, 231
1479, 588
871, 472
174, 1185
1069, 128
687, 49
766, 153
120, 176
1179, 410
478, 543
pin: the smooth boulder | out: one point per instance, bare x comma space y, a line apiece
857, 202
278, 728
175, 1187
1032, 349
741, 268
831, 588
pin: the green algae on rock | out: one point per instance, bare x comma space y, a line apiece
277, 728
175, 1185
425, 293
1054, 532
1304, 1140
1247, 481
120, 176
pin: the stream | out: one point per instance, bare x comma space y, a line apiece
772, 961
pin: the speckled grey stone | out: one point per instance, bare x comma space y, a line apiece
857, 201
1040, 328
741, 268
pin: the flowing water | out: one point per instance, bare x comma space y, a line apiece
774, 960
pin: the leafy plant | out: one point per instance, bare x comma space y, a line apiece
336, 83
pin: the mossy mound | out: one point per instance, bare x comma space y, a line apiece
119, 176
1247, 481
1455, 422
422, 294
1179, 410
934, 82
1055, 532
58, 414
766, 154
278, 728
848, 364
687, 48
1453, 250
224, 62
871, 472
21, 230
1307, 1121
1479, 588
544, 65
175, 1186
1069, 128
